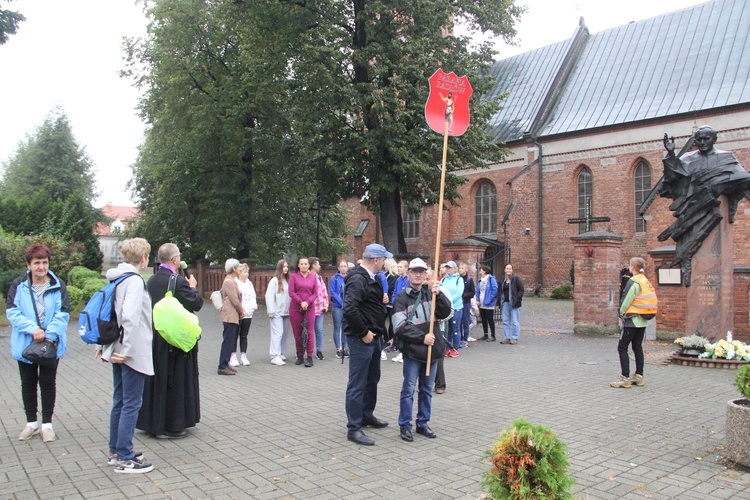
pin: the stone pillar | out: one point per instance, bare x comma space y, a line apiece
710, 310
596, 296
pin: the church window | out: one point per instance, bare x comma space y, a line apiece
584, 195
485, 209
410, 222
642, 189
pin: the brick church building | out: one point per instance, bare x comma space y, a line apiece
583, 121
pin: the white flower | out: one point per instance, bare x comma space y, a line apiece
729, 337
730, 353
704, 354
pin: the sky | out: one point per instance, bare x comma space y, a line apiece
68, 54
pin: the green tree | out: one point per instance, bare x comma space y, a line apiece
50, 162
9, 21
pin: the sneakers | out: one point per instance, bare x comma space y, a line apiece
28, 432
245, 361
464, 344
233, 360
136, 465
383, 356
308, 362
283, 358
451, 353
319, 355
340, 353
505, 341
622, 382
399, 358
471, 339
513, 341
48, 434
277, 361
637, 380
112, 457
346, 352
486, 338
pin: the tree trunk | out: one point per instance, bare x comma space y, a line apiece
390, 222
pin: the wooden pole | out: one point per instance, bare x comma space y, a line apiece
437, 241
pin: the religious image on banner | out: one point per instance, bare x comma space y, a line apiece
447, 106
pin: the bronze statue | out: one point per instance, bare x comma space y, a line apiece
695, 181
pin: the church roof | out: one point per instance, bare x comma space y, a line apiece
693, 59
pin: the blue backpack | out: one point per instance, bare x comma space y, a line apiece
97, 323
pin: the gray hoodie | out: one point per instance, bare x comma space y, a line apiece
133, 309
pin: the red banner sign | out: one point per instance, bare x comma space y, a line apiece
448, 104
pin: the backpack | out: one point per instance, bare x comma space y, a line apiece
97, 323
216, 299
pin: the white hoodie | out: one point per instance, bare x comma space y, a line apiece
133, 309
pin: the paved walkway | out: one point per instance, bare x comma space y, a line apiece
279, 432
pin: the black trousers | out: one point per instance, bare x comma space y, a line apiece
440, 375
242, 334
33, 375
488, 319
634, 336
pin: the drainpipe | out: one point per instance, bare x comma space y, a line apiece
540, 201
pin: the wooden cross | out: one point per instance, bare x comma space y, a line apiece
588, 219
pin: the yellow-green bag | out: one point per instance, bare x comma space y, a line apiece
177, 326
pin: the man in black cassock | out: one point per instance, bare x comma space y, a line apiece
171, 398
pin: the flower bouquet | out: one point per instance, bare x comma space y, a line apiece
692, 345
727, 349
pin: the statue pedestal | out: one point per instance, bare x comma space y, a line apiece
710, 305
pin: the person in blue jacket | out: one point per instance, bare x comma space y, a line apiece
336, 292
486, 296
38, 310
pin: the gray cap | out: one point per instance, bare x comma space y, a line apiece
375, 251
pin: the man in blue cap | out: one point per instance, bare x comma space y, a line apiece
364, 312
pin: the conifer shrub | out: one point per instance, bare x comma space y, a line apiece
528, 462
562, 292
742, 382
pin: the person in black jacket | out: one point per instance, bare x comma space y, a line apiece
364, 312
509, 300
469, 291
171, 398
411, 325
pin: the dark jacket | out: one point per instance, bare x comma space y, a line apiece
411, 324
469, 289
363, 304
516, 291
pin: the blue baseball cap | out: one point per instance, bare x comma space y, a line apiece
375, 251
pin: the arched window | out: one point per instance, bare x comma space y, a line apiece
642, 189
485, 209
584, 195
410, 222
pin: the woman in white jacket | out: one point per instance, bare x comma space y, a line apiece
130, 355
277, 306
249, 304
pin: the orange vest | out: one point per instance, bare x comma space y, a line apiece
645, 301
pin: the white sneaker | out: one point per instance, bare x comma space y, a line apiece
283, 358
383, 355
471, 339
399, 358
277, 361
233, 360
28, 432
245, 361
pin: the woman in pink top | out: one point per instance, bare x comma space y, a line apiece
303, 290
321, 306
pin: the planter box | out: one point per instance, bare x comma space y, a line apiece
737, 432
679, 359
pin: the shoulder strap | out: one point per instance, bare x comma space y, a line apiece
411, 313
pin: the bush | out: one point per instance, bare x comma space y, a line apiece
65, 255
562, 292
742, 382
90, 288
528, 462
79, 274
7, 277
75, 295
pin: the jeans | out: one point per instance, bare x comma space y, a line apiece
339, 339
126, 402
511, 320
488, 319
242, 335
319, 333
465, 322
454, 334
629, 336
32, 375
413, 371
362, 388
280, 328
230, 340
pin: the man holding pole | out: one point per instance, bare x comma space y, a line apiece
365, 314
412, 311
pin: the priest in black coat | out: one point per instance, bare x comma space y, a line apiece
171, 398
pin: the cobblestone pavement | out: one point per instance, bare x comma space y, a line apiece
279, 432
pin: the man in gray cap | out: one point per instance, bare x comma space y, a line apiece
365, 315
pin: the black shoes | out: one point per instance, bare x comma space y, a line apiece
375, 422
425, 431
486, 338
359, 437
319, 355
406, 434
226, 371
308, 362
491, 339
300, 360
172, 435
